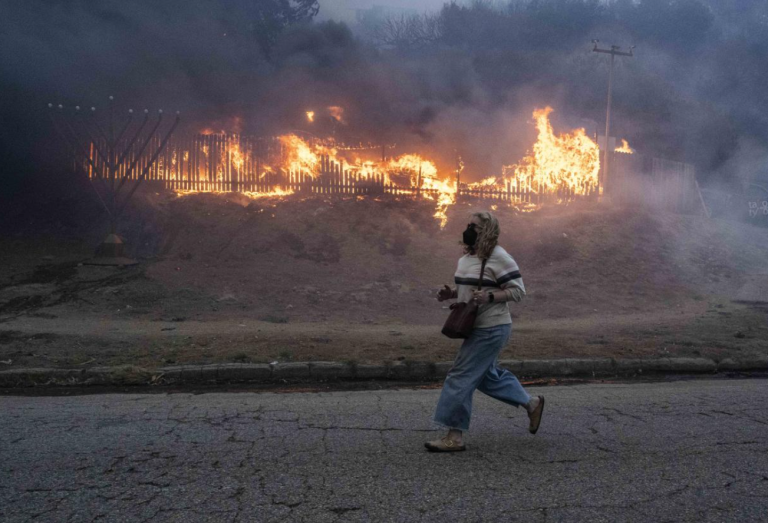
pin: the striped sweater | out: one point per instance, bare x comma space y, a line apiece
501, 272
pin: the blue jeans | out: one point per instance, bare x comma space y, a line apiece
476, 367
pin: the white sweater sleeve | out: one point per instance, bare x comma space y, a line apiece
513, 294
508, 277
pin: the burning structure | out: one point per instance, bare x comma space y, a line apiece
558, 168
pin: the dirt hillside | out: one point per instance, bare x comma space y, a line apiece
600, 279
353, 260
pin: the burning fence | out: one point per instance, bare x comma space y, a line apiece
564, 165
559, 167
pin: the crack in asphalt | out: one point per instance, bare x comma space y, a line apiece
289, 457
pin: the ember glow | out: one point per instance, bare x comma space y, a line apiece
556, 165
277, 192
310, 116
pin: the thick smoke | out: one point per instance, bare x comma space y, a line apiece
466, 86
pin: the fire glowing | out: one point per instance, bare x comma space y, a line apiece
560, 165
424, 176
301, 156
277, 191
568, 160
236, 156
305, 159
254, 195
491, 181
625, 148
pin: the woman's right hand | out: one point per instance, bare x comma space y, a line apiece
444, 294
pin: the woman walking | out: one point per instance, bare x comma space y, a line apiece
475, 366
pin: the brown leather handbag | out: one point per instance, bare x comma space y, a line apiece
462, 318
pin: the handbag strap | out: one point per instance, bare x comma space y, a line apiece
482, 273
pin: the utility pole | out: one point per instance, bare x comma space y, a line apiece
459, 167
613, 51
418, 183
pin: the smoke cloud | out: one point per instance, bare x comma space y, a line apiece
466, 86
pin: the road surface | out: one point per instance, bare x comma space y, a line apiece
673, 451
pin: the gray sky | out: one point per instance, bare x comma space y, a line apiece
345, 9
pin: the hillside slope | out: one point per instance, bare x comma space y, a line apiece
224, 277
355, 260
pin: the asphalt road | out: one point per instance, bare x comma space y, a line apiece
680, 451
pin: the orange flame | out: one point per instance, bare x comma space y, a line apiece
301, 156
491, 181
236, 156
423, 175
569, 160
625, 148
304, 157
277, 191
221, 162
254, 195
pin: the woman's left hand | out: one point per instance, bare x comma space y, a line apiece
480, 297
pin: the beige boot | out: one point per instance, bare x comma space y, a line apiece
535, 416
444, 444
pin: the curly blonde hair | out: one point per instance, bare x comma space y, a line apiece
487, 235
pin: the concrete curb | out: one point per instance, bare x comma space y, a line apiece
321, 371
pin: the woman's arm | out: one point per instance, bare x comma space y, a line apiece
507, 275
509, 294
446, 293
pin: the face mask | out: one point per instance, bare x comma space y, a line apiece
470, 236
